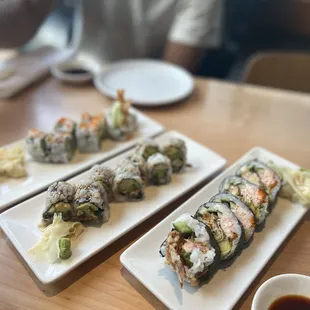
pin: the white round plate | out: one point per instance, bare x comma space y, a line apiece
146, 82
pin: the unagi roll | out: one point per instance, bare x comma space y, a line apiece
240, 210
91, 202
59, 199
128, 184
176, 151
224, 225
191, 251
263, 176
159, 169
105, 176
250, 194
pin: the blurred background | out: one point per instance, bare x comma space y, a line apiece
265, 42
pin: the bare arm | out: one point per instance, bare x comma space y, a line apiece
185, 56
195, 29
20, 19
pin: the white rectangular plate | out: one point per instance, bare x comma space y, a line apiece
226, 287
40, 176
20, 222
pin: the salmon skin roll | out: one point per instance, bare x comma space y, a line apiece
224, 225
250, 194
159, 170
59, 199
176, 151
105, 176
191, 251
244, 215
263, 176
91, 203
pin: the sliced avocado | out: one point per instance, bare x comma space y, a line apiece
225, 248
160, 171
127, 186
172, 152
51, 210
149, 151
254, 179
62, 207
182, 228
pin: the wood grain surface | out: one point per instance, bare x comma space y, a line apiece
228, 118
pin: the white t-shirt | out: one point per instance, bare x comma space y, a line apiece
120, 29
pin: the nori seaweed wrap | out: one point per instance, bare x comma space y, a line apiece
241, 211
224, 225
35, 142
250, 194
263, 176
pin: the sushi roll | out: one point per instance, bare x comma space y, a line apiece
65, 125
250, 194
91, 202
60, 147
137, 161
100, 119
147, 148
35, 142
263, 176
159, 169
59, 199
104, 175
88, 134
176, 151
191, 251
241, 211
121, 121
128, 184
224, 226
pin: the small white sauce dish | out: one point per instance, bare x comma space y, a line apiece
72, 72
279, 286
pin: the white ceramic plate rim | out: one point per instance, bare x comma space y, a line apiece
154, 129
129, 255
5, 217
105, 90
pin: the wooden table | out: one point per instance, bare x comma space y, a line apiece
229, 119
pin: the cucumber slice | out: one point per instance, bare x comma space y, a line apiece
182, 228
225, 248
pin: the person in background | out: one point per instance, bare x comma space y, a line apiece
179, 31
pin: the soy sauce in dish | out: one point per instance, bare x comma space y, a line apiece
76, 71
290, 302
